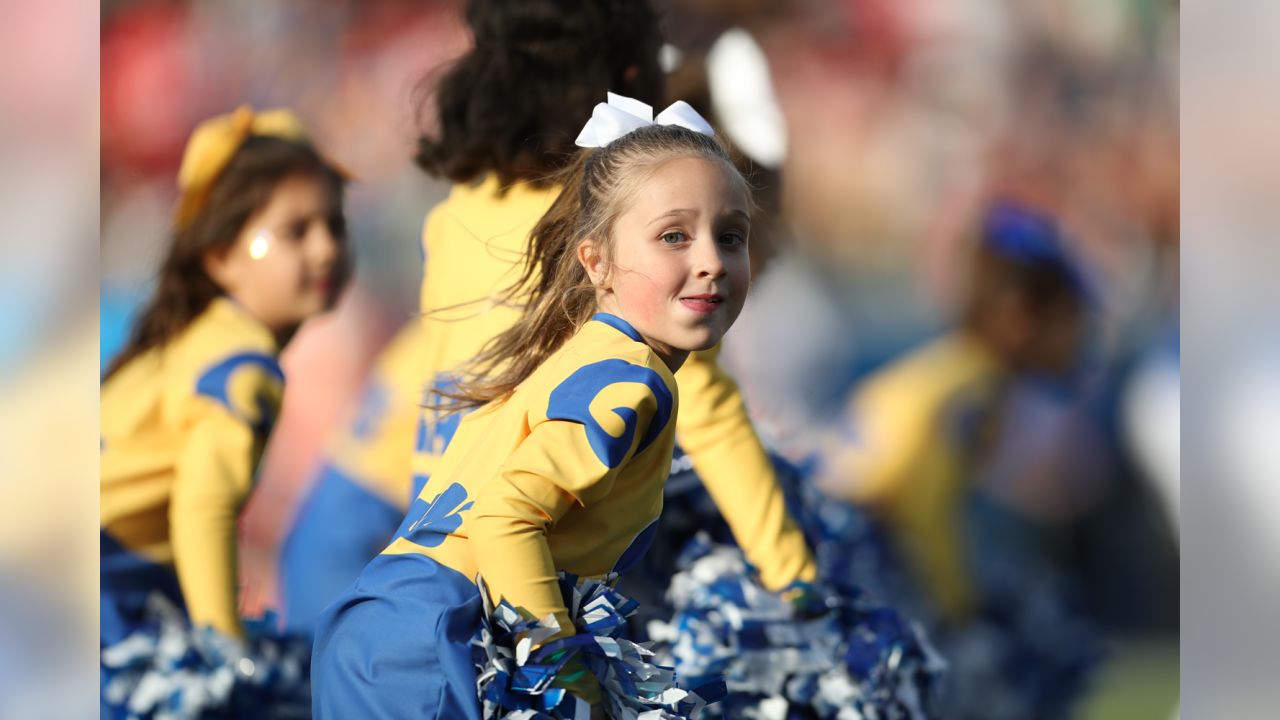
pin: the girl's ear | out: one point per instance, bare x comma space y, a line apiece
220, 267
594, 263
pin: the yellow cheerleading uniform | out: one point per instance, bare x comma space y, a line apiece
377, 447
474, 243
566, 474
916, 425
183, 428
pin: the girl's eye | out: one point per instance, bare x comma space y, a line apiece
674, 237
338, 227
298, 230
733, 239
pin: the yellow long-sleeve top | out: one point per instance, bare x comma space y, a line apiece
474, 243
916, 426
183, 428
566, 474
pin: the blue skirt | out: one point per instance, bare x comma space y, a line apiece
397, 644
127, 579
339, 527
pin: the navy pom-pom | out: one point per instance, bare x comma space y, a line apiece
166, 668
782, 661
516, 671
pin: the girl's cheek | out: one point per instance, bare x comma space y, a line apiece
641, 297
260, 245
638, 306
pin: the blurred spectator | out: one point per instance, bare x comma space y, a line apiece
924, 445
918, 429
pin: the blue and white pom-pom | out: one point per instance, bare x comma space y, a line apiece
840, 659
1028, 652
514, 680
168, 669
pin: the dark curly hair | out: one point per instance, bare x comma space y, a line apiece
514, 104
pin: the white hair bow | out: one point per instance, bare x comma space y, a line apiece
621, 115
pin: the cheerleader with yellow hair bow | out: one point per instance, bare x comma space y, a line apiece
258, 246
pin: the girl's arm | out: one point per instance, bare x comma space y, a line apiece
551, 472
508, 524
211, 482
714, 429
570, 457
223, 439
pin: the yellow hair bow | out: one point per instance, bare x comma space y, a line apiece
212, 144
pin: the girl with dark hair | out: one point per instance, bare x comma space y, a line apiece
259, 246
512, 106
640, 261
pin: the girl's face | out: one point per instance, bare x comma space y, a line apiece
289, 258
680, 271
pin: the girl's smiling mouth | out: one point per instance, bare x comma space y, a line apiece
705, 303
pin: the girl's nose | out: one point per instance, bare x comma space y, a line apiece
707, 259
325, 247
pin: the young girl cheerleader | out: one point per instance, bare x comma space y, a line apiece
930, 426
259, 245
640, 261
509, 111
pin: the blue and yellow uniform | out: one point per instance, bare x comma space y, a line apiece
183, 428
917, 425
375, 470
565, 475
363, 487
474, 243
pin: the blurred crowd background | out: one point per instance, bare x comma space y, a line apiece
880, 130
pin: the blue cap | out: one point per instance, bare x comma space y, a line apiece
1028, 237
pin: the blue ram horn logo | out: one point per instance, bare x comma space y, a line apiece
571, 401
216, 383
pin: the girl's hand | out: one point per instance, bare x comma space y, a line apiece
804, 599
577, 679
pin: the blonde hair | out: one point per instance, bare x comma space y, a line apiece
557, 295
